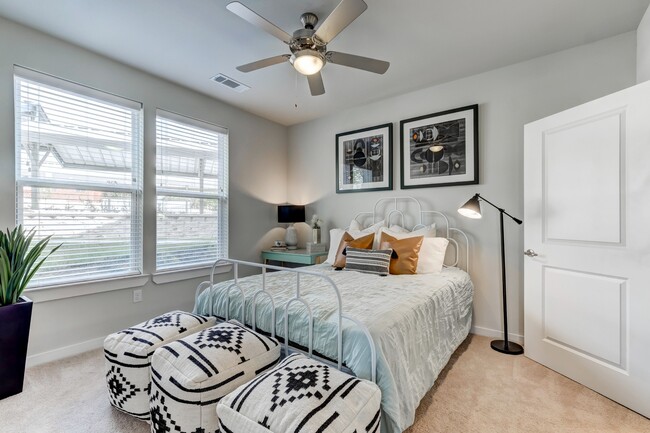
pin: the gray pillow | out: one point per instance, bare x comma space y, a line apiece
375, 262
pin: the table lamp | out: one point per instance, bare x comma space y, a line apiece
290, 214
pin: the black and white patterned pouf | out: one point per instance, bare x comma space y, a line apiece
128, 357
301, 395
191, 375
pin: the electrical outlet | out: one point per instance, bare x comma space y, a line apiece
137, 295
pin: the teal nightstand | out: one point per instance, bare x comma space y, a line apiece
295, 257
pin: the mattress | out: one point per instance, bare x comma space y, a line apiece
417, 322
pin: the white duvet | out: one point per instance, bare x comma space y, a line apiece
417, 322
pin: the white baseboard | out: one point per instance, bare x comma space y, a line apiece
64, 352
85, 346
494, 333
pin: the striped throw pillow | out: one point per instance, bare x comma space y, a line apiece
368, 261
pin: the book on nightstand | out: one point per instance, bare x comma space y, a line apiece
316, 248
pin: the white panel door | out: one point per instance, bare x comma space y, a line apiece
587, 217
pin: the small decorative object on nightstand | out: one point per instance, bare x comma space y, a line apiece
315, 229
291, 214
316, 248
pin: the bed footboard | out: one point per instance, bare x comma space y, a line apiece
263, 294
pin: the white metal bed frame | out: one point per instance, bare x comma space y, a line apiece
298, 298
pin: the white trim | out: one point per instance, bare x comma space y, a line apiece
181, 118
65, 352
495, 333
53, 293
164, 277
61, 83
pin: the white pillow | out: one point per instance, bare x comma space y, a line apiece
356, 232
432, 252
426, 231
398, 229
355, 226
432, 255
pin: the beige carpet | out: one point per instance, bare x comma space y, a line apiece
480, 391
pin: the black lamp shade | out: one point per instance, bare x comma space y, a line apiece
471, 209
291, 214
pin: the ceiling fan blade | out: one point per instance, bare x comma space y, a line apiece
359, 62
263, 63
346, 12
243, 12
316, 85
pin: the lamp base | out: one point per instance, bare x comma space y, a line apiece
511, 349
291, 238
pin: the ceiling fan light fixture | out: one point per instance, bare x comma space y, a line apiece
308, 62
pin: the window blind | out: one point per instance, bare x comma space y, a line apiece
192, 192
79, 177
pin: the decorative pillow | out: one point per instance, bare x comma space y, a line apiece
356, 226
426, 231
432, 255
335, 239
407, 251
432, 251
355, 229
375, 262
348, 240
395, 228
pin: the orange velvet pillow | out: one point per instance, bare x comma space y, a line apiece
347, 240
405, 253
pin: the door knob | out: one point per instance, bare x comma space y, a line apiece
530, 253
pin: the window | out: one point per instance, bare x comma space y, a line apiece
79, 177
192, 192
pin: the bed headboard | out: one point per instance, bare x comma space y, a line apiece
407, 211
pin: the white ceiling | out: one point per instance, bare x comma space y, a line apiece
427, 42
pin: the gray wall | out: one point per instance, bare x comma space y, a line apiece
643, 48
508, 98
258, 152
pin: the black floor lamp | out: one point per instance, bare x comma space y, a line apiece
472, 209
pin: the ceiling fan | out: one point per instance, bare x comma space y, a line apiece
309, 45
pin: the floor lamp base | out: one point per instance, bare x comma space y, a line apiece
510, 349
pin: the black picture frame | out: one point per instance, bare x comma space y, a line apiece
364, 159
456, 162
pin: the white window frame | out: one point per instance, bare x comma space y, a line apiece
134, 277
169, 274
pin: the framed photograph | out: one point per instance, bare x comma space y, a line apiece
364, 159
440, 149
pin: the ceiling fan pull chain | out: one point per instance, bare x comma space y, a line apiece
295, 91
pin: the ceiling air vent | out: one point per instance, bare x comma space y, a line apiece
230, 83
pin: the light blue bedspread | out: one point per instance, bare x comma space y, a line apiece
417, 322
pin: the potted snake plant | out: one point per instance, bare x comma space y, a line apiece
19, 261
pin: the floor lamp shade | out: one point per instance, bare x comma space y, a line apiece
291, 214
472, 209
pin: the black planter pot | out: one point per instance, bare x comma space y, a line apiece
14, 335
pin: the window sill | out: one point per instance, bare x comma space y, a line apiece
172, 276
52, 293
